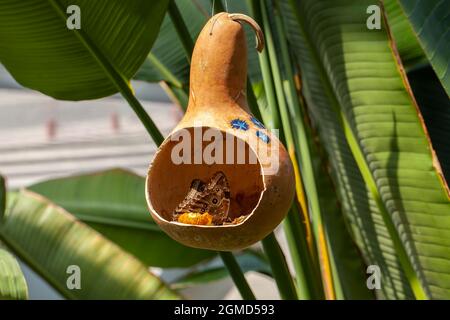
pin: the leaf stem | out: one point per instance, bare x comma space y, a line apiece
279, 267
142, 115
298, 231
181, 28
291, 110
274, 121
217, 6
252, 102
307, 277
237, 275
164, 71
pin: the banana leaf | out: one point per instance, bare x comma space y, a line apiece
113, 203
430, 20
42, 53
351, 74
76, 260
13, 285
12, 281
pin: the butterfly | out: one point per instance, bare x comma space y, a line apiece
212, 197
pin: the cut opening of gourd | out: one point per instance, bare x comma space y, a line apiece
199, 153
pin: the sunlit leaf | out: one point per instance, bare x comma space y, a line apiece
350, 72
62, 249
113, 41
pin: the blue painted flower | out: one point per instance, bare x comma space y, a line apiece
257, 123
239, 124
264, 137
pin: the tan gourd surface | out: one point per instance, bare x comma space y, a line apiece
217, 97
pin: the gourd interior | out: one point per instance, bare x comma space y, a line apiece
170, 182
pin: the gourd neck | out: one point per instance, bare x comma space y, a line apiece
219, 62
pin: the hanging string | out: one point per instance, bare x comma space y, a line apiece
214, 5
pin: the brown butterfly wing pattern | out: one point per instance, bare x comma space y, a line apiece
217, 195
212, 197
190, 202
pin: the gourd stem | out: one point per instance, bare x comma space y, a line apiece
256, 28
181, 28
237, 275
142, 115
280, 269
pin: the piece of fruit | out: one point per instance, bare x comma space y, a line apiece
204, 219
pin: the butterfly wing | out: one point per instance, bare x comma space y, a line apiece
212, 197
217, 195
190, 203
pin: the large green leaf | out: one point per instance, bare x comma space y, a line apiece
43, 54
407, 44
12, 281
351, 74
52, 242
113, 203
430, 20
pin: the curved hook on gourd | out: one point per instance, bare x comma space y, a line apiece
255, 26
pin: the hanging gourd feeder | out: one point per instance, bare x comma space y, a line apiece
220, 180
